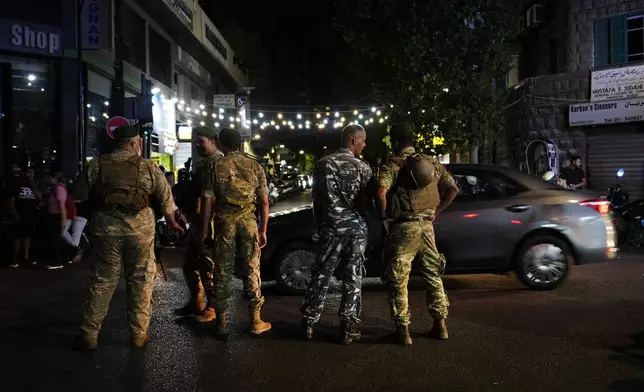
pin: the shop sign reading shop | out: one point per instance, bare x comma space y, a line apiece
617, 83
608, 112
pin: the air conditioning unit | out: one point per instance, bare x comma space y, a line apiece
536, 15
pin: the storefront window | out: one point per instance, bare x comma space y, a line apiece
96, 122
32, 108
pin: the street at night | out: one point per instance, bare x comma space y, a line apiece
588, 335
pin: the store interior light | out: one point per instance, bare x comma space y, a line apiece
301, 152
106, 103
42, 89
29, 84
31, 77
89, 105
281, 146
258, 136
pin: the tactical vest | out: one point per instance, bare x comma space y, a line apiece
404, 200
235, 184
118, 186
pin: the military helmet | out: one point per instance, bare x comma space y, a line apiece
421, 171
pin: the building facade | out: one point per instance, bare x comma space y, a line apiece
171, 43
578, 83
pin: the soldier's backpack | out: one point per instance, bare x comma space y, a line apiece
416, 188
119, 185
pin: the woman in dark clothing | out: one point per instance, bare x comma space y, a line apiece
24, 200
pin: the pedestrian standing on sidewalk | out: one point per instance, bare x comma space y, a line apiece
339, 180
24, 198
120, 188
231, 186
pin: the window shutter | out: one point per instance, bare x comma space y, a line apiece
600, 37
618, 44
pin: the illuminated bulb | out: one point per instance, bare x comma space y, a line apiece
343, 119
301, 151
202, 107
262, 126
355, 112
155, 90
261, 115
290, 123
231, 119
318, 115
221, 116
217, 124
277, 127
105, 115
188, 109
360, 116
93, 118
31, 78
283, 122
422, 111
391, 106
299, 116
281, 146
299, 126
279, 115
272, 122
307, 125
232, 126
214, 115
189, 121
373, 109
204, 113
106, 103
382, 120
182, 102
292, 126
255, 121
180, 107
328, 114
379, 113
321, 126
202, 123
446, 90
42, 89
325, 121
89, 106
238, 119
29, 84
221, 110
337, 114
258, 136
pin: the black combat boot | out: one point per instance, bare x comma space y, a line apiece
349, 332
306, 330
439, 330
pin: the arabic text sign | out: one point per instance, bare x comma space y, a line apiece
224, 101
608, 112
618, 83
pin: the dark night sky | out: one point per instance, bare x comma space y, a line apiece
334, 70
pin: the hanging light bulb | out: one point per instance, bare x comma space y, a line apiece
318, 115
299, 126
255, 121
262, 126
325, 121
204, 113
272, 123
180, 107
337, 114
328, 114
189, 121
355, 112
182, 102
279, 115
261, 115
238, 119
283, 122
292, 126
379, 113
232, 126
202, 107
202, 123
257, 136
299, 116
214, 115
277, 127
307, 125
373, 109
382, 120
321, 126
290, 123
360, 116
221, 110
188, 109
247, 122
231, 119
217, 124
221, 116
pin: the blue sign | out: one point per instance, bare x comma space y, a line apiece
30, 37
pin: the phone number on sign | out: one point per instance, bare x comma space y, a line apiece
623, 119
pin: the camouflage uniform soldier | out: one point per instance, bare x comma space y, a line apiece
197, 257
409, 199
119, 187
339, 180
232, 184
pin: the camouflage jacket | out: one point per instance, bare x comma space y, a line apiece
117, 223
388, 173
234, 181
338, 182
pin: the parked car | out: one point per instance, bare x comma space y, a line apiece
502, 220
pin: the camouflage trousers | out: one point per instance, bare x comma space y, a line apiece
406, 241
334, 250
136, 253
197, 268
236, 246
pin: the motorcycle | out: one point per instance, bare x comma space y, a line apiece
273, 194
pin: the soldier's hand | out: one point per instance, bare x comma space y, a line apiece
261, 240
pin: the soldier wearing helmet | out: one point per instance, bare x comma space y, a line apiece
409, 200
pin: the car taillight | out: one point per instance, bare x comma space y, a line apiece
599, 205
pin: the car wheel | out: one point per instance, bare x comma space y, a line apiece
543, 262
293, 267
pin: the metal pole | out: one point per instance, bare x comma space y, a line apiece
118, 86
81, 131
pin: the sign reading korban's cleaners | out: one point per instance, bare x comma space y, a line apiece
606, 112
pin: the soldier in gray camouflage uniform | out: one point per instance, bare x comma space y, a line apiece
339, 180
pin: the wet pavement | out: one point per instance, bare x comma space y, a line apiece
587, 335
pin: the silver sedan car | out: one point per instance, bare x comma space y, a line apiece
502, 220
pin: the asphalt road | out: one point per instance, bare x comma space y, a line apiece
586, 336
299, 200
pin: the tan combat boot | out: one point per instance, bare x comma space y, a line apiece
402, 335
206, 316
258, 326
140, 340
439, 330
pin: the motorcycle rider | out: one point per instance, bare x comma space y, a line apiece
189, 201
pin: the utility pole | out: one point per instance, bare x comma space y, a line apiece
117, 106
81, 135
